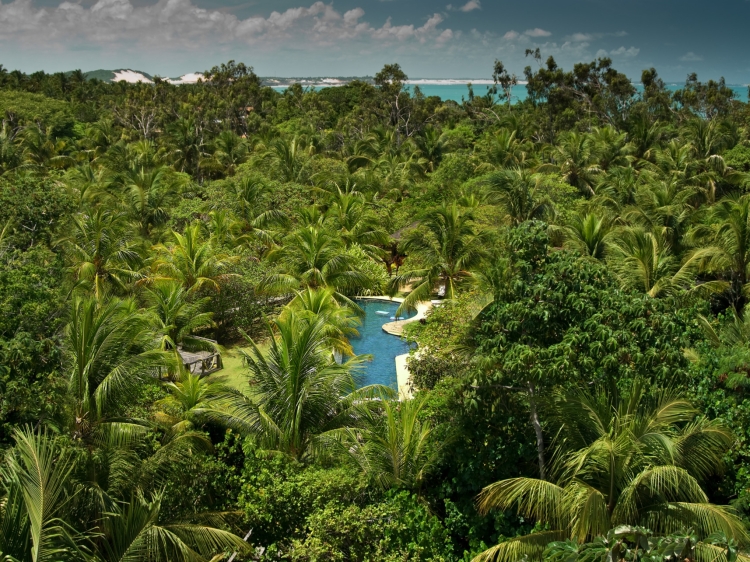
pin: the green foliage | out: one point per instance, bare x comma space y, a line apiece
279, 494
23, 109
561, 319
738, 158
398, 528
136, 219
37, 208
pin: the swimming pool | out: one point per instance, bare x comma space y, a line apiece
374, 341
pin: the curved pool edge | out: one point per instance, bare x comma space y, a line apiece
396, 328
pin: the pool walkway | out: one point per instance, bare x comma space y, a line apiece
397, 329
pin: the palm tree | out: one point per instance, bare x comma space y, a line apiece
186, 144
430, 146
250, 193
300, 393
188, 396
726, 246
135, 532
10, 153
589, 235
664, 207
111, 351
193, 261
504, 150
576, 157
646, 137
86, 183
174, 317
41, 149
104, 252
230, 150
520, 195
613, 148
41, 507
340, 322
288, 158
449, 248
149, 193
623, 460
313, 257
644, 262
355, 225
395, 449
35, 500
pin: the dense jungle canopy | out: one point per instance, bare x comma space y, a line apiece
578, 387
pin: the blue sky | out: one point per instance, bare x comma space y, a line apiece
429, 38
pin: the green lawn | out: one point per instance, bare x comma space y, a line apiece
234, 371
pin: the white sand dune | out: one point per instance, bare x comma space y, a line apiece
130, 76
190, 78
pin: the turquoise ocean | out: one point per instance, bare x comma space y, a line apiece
456, 92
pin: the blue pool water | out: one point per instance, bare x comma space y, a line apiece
374, 341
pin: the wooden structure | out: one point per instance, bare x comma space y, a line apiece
202, 362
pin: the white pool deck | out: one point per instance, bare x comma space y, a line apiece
397, 329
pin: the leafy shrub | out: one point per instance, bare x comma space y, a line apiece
398, 528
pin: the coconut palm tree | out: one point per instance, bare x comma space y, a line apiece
174, 317
111, 351
664, 207
188, 396
36, 501
449, 249
104, 252
230, 150
86, 184
620, 460
192, 260
644, 262
313, 257
350, 218
135, 532
186, 144
250, 193
395, 449
726, 247
10, 152
41, 148
149, 194
430, 146
613, 148
340, 322
288, 158
504, 150
576, 156
589, 235
519, 193
299, 392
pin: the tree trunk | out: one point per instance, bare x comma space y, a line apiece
538, 430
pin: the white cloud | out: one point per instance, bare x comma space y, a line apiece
471, 5
511, 35
180, 24
403, 32
620, 52
623, 52
445, 36
580, 37
690, 56
537, 32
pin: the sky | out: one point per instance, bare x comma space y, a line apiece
428, 38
